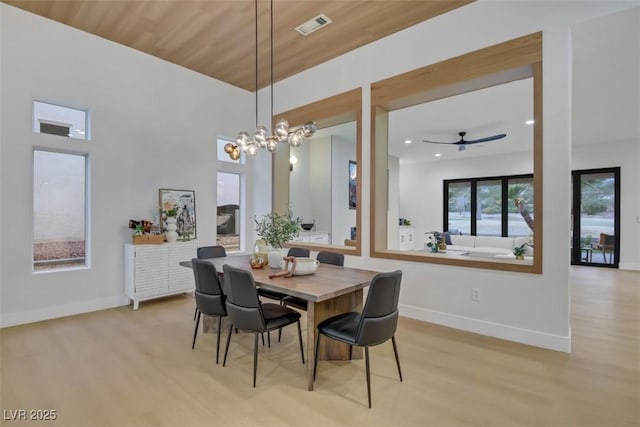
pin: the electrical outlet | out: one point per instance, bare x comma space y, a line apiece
475, 294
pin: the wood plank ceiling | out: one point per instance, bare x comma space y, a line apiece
217, 37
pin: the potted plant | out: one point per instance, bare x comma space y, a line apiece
519, 251
435, 241
277, 230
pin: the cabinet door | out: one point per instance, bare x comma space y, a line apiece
181, 278
150, 270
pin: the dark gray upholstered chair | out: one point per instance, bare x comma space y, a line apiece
299, 252
325, 258
209, 252
246, 313
330, 258
209, 297
296, 252
375, 325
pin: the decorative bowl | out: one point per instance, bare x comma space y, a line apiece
307, 226
257, 262
303, 267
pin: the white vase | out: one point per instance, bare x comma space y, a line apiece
275, 257
171, 235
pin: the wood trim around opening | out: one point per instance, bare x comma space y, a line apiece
506, 62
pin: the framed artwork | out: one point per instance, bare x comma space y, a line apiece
352, 184
184, 204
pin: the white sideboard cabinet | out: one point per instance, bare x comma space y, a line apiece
406, 237
152, 271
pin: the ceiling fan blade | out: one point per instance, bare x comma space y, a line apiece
489, 138
439, 142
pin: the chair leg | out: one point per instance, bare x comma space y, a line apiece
262, 334
300, 338
195, 331
395, 351
195, 313
218, 340
255, 358
315, 362
226, 349
269, 339
279, 334
366, 359
350, 351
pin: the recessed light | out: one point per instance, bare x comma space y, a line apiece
529, 122
408, 141
438, 154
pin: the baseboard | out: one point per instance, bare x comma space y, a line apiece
633, 266
497, 330
23, 317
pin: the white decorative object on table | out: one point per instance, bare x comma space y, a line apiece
303, 266
171, 235
276, 256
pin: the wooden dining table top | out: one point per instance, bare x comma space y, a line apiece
328, 281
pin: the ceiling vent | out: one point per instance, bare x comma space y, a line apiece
313, 24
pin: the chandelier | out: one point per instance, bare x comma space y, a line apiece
261, 139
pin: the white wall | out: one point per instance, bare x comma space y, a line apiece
606, 113
342, 218
511, 304
393, 213
153, 125
320, 183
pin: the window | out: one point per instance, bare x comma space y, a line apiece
501, 206
488, 213
228, 212
59, 210
459, 207
57, 120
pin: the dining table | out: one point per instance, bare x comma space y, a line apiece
330, 290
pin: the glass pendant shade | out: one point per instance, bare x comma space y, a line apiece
272, 144
252, 149
309, 129
294, 139
282, 129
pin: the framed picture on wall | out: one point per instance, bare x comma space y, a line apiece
183, 204
352, 184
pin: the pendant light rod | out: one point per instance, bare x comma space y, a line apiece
256, 42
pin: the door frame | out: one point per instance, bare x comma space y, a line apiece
576, 251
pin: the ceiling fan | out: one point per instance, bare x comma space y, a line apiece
462, 143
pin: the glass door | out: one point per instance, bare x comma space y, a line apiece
595, 236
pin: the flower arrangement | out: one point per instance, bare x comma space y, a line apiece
169, 209
277, 229
434, 241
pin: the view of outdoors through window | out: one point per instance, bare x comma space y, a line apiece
59, 208
488, 206
228, 215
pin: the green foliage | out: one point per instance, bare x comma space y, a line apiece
492, 210
594, 206
519, 250
277, 229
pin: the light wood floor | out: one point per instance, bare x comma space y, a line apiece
123, 368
